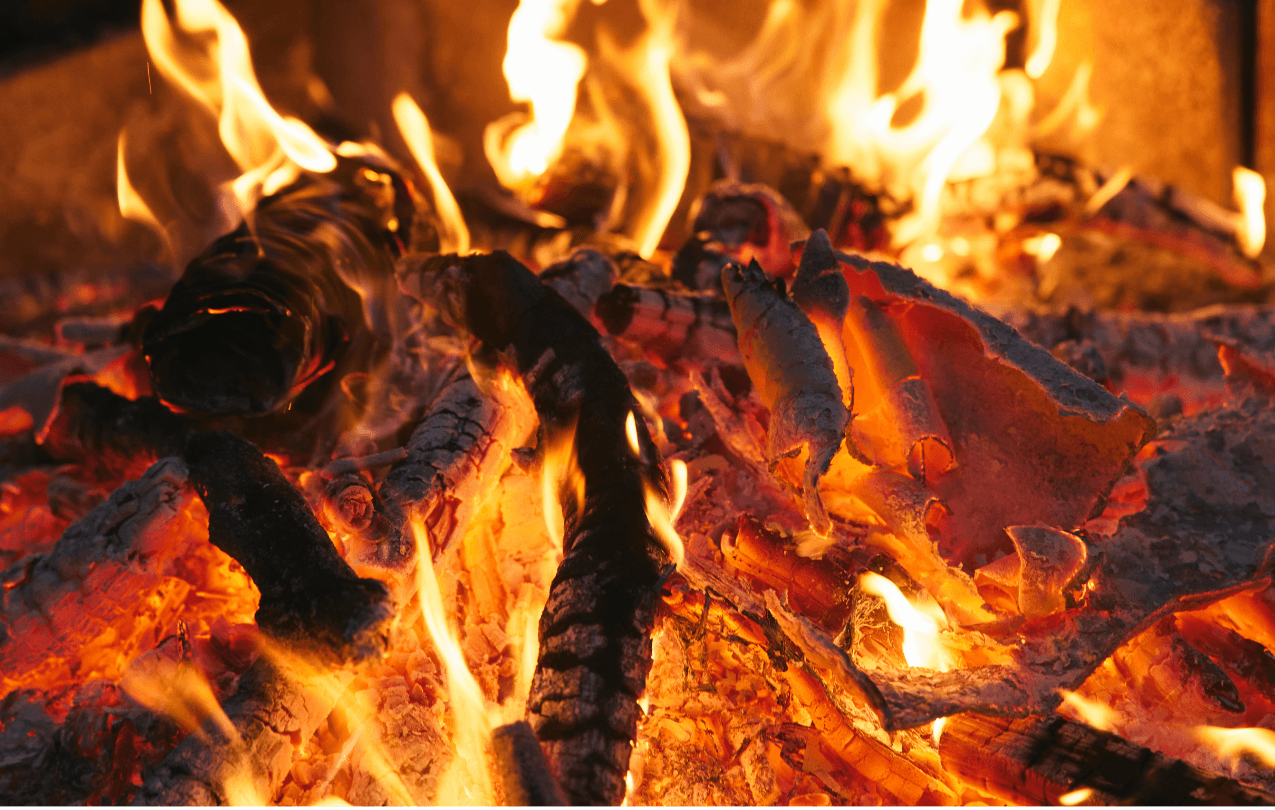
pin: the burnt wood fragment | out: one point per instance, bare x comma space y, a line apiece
1041, 759
279, 302
672, 323
595, 648
310, 597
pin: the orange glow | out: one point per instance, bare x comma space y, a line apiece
1095, 714
1074, 107
1044, 22
921, 644
1233, 743
559, 470
1075, 797
414, 127
268, 148
936, 733
14, 420
1043, 247
1250, 196
544, 72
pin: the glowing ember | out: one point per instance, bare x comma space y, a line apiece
921, 644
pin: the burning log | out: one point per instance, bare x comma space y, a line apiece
594, 643
1051, 760
524, 774
793, 375
280, 302
669, 322
310, 597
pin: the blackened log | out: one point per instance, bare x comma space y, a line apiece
595, 648
670, 322
310, 598
276, 304
1040, 759
111, 433
521, 767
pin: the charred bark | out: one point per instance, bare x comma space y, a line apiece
310, 597
595, 648
1038, 760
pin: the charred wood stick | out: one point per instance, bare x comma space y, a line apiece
1042, 759
58, 606
276, 304
522, 769
310, 597
670, 322
111, 434
273, 713
455, 458
595, 649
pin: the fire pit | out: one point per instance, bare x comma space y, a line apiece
723, 429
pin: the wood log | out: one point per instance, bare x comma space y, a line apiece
595, 649
670, 322
1041, 759
524, 773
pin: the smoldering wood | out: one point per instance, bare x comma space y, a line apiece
521, 767
1038, 760
310, 597
112, 433
455, 458
595, 648
103, 570
273, 713
670, 322
275, 305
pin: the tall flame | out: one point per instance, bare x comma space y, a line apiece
414, 127
1250, 196
659, 512
921, 644
267, 147
131, 204
544, 72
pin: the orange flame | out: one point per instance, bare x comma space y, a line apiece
1045, 25
543, 71
660, 513
1095, 714
921, 644
1250, 196
414, 127
1074, 797
1233, 743
131, 204
268, 148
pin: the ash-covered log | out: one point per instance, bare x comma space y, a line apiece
1050, 760
310, 597
595, 648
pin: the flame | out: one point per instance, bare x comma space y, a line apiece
921, 644
268, 148
560, 470
1234, 743
1075, 797
131, 204
471, 723
1074, 106
1095, 714
414, 127
660, 512
956, 80
1045, 23
543, 71
1043, 247
936, 733
1250, 196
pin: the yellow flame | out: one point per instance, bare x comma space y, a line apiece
131, 204
1233, 743
544, 72
937, 731
1074, 106
921, 644
660, 512
1075, 797
1250, 196
414, 127
1043, 247
471, 723
1108, 190
219, 75
955, 79
560, 469
1095, 714
1045, 22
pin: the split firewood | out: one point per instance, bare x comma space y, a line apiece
793, 376
455, 458
310, 597
594, 633
670, 322
272, 714
280, 302
1047, 760
1159, 560
96, 597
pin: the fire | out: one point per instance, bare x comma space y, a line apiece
131, 204
414, 127
1250, 196
543, 71
936, 732
921, 644
559, 470
660, 513
1233, 743
1090, 711
1078, 796
268, 147
1045, 21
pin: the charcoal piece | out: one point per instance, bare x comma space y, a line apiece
310, 597
595, 648
275, 305
1039, 760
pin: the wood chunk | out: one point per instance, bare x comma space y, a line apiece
1049, 559
1038, 760
670, 322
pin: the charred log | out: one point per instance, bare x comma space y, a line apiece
670, 322
1039, 760
310, 597
595, 648
275, 305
